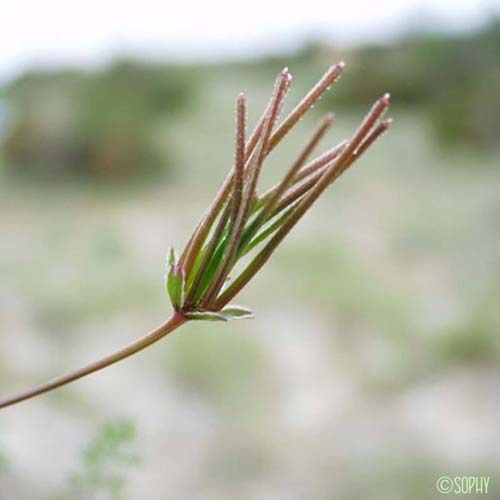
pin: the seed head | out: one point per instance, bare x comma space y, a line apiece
240, 220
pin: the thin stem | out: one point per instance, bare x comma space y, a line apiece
304, 172
253, 171
194, 290
270, 229
306, 103
239, 160
321, 161
158, 333
239, 170
280, 89
336, 168
196, 241
319, 133
296, 193
233, 208
194, 244
289, 177
198, 238
375, 134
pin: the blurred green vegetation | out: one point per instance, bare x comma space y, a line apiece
475, 338
3, 461
94, 124
456, 79
98, 250
104, 463
118, 122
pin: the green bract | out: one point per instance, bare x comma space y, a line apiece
175, 281
227, 313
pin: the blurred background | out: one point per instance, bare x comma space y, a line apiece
373, 364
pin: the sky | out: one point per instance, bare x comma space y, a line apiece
90, 32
